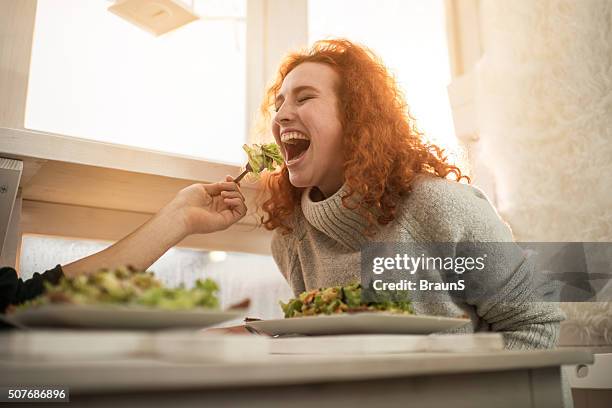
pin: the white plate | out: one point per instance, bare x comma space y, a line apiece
119, 317
358, 323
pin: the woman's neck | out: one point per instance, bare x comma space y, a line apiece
320, 193
316, 195
333, 218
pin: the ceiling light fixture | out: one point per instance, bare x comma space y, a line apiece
155, 16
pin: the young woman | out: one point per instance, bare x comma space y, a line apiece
357, 171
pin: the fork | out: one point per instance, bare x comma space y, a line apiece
246, 171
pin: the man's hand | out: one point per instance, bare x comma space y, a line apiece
210, 207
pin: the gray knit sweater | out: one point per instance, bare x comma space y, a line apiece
324, 250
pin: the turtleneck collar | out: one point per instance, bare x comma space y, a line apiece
334, 220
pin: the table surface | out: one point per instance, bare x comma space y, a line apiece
143, 374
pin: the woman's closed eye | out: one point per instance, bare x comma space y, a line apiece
304, 99
299, 100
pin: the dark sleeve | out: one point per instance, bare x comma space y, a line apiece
14, 290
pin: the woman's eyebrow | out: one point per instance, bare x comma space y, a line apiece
280, 97
299, 89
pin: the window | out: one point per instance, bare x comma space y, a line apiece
96, 76
410, 37
240, 276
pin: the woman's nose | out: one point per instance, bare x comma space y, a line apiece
284, 114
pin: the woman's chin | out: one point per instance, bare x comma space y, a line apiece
298, 180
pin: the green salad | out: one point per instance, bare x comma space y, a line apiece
263, 157
339, 299
126, 286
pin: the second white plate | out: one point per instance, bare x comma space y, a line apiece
119, 317
358, 323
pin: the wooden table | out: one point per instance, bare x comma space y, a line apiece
488, 379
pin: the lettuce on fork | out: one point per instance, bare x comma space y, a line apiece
263, 157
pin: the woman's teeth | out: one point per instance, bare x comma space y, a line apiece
289, 136
295, 145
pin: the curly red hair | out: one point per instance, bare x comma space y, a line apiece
384, 150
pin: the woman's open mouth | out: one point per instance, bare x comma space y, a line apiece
295, 145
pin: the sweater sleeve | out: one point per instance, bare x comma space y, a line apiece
284, 252
459, 213
14, 290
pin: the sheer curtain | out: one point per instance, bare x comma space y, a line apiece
544, 101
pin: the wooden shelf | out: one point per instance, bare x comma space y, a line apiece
80, 188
